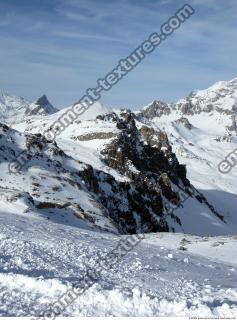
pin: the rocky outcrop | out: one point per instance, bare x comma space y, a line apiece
157, 182
184, 122
155, 109
141, 151
94, 135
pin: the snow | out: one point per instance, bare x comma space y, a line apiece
11, 106
154, 279
96, 109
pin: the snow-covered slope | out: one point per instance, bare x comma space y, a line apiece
94, 110
12, 107
164, 275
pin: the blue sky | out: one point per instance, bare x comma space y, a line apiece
61, 47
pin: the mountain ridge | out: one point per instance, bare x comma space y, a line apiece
120, 147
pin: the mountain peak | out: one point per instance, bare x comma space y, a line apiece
43, 101
154, 109
221, 97
42, 106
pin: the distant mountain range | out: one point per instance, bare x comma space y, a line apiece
15, 109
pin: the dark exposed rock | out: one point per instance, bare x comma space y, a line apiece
50, 205
95, 135
42, 106
145, 151
184, 121
156, 109
35, 142
108, 117
130, 203
233, 127
4, 127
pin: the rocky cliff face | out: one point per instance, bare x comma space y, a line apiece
156, 176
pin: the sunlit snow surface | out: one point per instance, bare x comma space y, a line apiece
40, 261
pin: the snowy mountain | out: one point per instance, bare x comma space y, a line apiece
15, 109
220, 97
112, 173
12, 107
40, 107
